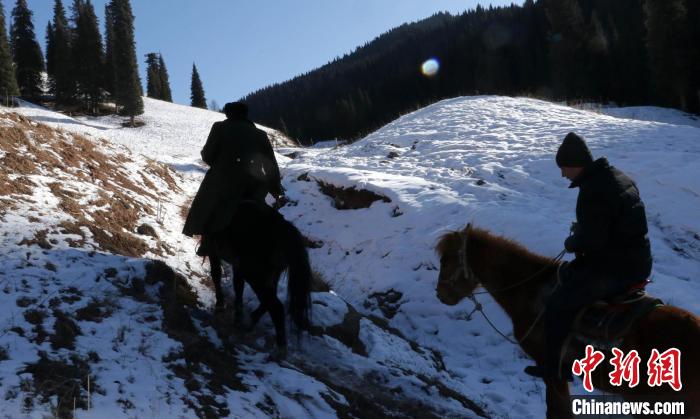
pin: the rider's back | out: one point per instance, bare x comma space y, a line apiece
618, 241
234, 145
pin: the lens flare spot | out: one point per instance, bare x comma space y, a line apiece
430, 67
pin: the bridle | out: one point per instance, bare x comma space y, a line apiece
466, 270
468, 274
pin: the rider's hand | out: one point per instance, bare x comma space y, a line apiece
569, 244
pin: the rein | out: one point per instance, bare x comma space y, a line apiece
468, 273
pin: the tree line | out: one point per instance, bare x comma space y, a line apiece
631, 52
83, 68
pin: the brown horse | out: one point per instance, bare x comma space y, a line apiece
518, 279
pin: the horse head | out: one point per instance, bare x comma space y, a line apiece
456, 279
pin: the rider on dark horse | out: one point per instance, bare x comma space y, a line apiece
242, 168
609, 240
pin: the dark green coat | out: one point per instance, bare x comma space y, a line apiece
611, 233
242, 166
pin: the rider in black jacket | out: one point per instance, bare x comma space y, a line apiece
242, 167
609, 239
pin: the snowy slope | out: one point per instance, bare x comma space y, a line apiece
84, 300
655, 114
172, 133
488, 160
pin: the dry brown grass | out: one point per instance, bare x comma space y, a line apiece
31, 148
73, 228
19, 186
122, 213
112, 229
52, 149
147, 182
39, 239
118, 242
102, 199
96, 310
6, 204
162, 171
68, 200
13, 162
61, 383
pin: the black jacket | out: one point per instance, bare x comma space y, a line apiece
237, 151
611, 233
242, 166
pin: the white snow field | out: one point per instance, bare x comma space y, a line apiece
488, 160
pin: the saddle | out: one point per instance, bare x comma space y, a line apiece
604, 324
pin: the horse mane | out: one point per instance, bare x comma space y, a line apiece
509, 246
451, 242
445, 242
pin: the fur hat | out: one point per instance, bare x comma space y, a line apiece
236, 110
574, 152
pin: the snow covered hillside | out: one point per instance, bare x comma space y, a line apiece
490, 161
385, 345
172, 133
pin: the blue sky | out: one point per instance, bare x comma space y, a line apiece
241, 46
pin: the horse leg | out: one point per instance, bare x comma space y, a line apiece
558, 403
277, 312
260, 290
215, 265
238, 286
270, 302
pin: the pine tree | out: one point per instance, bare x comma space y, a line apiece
75, 12
127, 83
629, 63
197, 95
693, 23
667, 40
165, 92
58, 58
50, 53
153, 82
8, 82
568, 27
88, 56
597, 62
26, 52
110, 69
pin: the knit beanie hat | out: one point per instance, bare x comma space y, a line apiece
574, 152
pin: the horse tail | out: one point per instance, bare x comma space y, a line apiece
299, 276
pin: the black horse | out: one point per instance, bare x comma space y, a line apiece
260, 244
